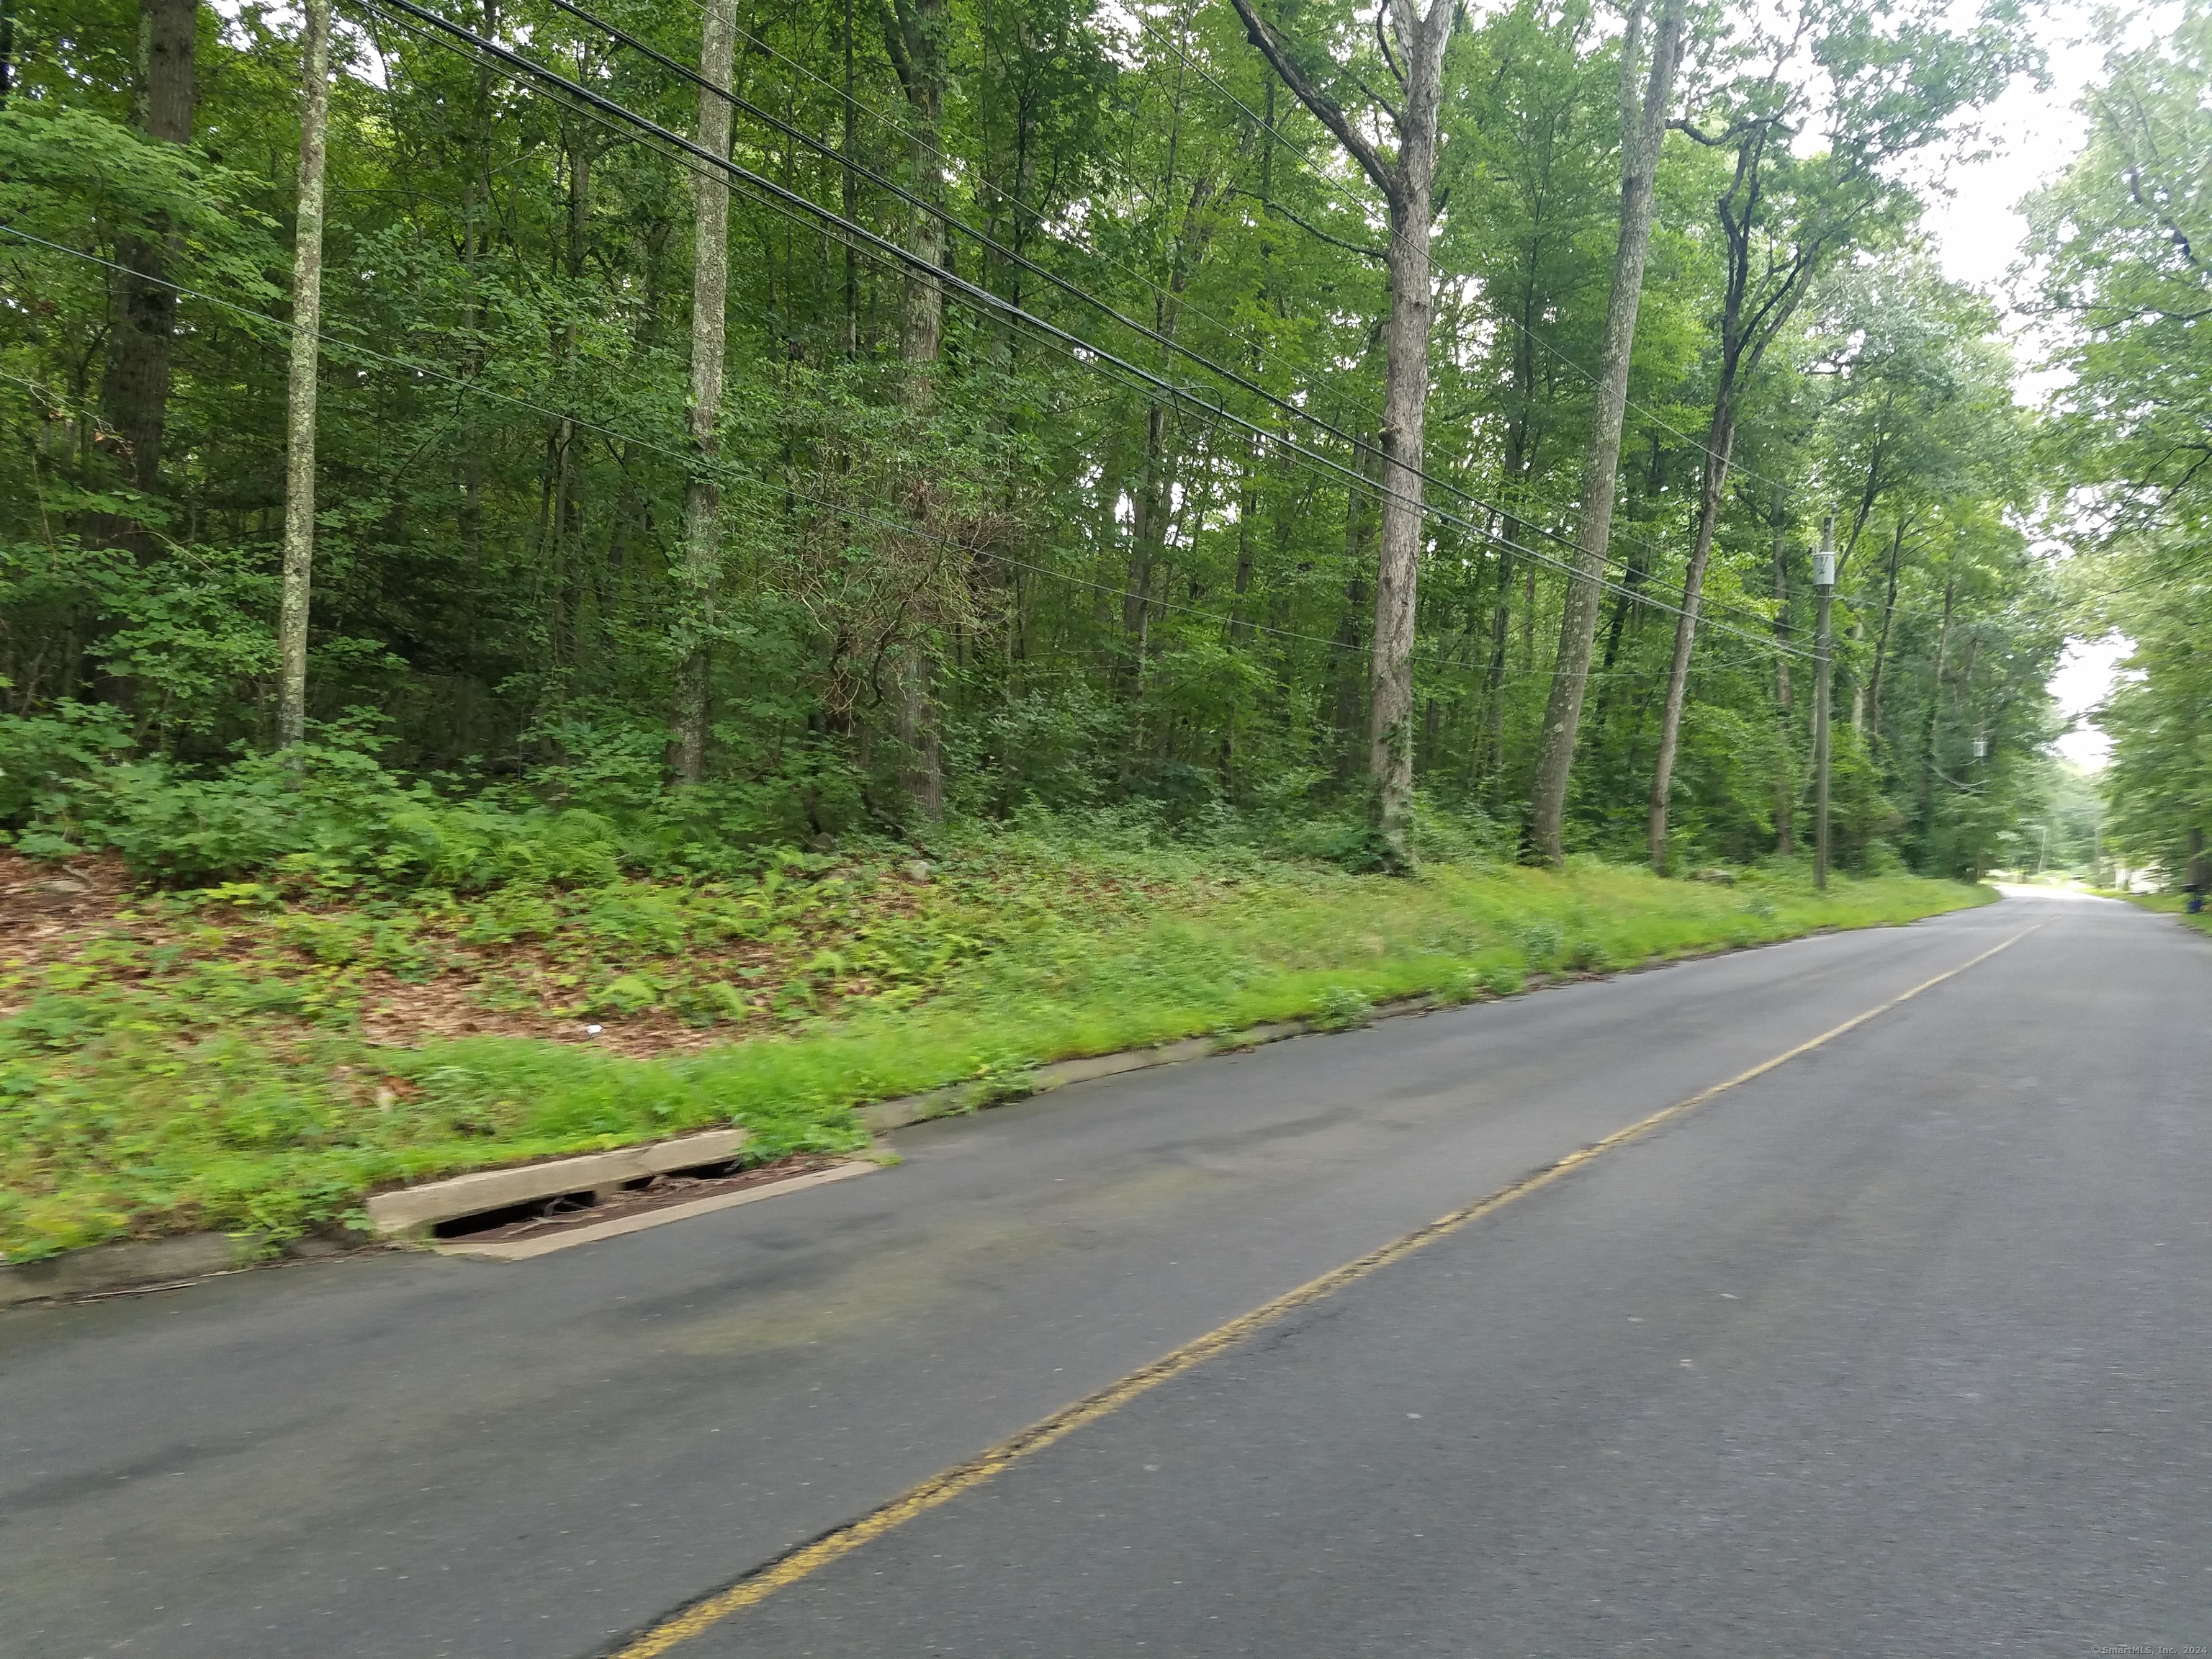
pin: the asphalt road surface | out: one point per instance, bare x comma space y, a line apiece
1902, 1347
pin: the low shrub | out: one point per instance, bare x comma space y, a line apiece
331, 813
1341, 1008
44, 759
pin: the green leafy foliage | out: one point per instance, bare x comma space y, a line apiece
63, 162
1109, 598
2122, 239
331, 813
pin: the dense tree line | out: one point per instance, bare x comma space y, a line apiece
2122, 251
1258, 409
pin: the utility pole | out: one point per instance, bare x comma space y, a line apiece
1824, 584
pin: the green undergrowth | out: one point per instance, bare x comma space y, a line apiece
209, 1060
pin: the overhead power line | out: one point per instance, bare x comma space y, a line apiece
1087, 352
1346, 193
1637, 590
1518, 515
1165, 342
733, 475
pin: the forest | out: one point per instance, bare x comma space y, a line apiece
572, 569
755, 424
2123, 243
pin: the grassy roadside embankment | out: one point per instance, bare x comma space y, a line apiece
256, 1061
2172, 904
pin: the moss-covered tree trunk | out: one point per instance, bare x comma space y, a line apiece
301, 387
702, 490
1642, 126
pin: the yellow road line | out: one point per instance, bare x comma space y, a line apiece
810, 1558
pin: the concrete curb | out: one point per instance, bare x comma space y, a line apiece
524, 1249
127, 1262
412, 1212
885, 1115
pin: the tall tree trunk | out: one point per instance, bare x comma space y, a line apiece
1785, 782
849, 199
1153, 510
135, 396
921, 771
300, 390
1360, 517
573, 584
469, 513
1406, 180
1405, 400
1759, 298
1881, 642
1643, 127
702, 491
1858, 688
1247, 506
1522, 442
920, 31
1934, 710
1489, 756
1720, 438
915, 33
1148, 517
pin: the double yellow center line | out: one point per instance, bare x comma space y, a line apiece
810, 1558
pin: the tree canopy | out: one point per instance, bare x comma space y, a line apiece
2123, 249
1055, 456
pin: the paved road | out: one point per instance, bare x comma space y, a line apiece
1903, 1347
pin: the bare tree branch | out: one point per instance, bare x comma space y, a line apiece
1397, 116
1383, 39
2179, 237
1326, 109
1727, 136
894, 43
1362, 249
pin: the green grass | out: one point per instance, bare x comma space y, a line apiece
207, 1060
